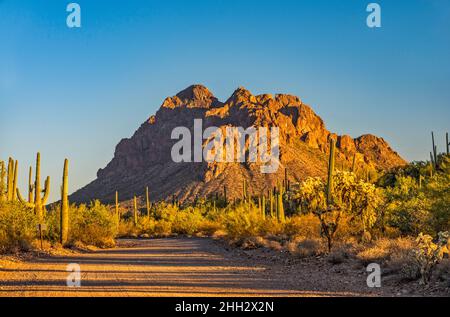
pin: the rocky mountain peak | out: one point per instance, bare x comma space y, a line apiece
145, 158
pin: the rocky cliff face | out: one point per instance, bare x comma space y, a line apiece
145, 158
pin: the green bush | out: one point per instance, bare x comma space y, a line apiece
18, 227
94, 225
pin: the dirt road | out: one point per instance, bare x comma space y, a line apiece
178, 267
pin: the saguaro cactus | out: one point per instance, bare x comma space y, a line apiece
271, 203
14, 186
280, 208
447, 143
64, 217
263, 207
147, 201
435, 159
2, 181
11, 182
244, 190
135, 211
39, 202
330, 172
117, 207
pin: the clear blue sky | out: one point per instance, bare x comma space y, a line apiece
76, 92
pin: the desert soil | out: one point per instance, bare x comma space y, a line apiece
183, 267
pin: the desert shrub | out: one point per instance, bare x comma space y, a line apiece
407, 207
303, 248
165, 212
242, 222
126, 229
304, 226
17, 227
210, 227
94, 225
428, 254
163, 228
394, 253
187, 221
146, 225
52, 220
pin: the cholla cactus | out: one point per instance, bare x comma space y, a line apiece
428, 254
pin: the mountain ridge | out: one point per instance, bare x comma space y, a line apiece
144, 159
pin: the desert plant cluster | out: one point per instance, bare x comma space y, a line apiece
400, 218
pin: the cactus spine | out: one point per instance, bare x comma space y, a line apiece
64, 205
135, 212
147, 201
330, 172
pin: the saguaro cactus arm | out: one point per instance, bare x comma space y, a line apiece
46, 191
22, 200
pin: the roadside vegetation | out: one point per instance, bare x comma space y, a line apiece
400, 218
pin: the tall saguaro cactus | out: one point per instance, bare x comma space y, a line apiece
244, 190
2, 181
39, 202
280, 208
330, 172
435, 159
135, 211
447, 143
263, 206
117, 207
14, 186
147, 201
64, 217
11, 182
